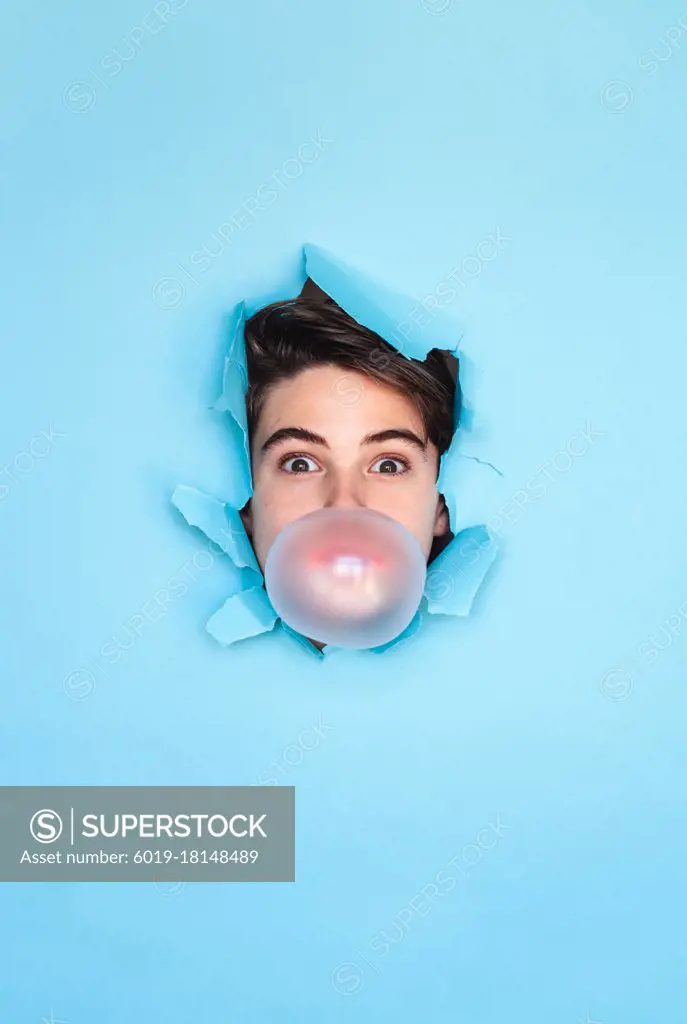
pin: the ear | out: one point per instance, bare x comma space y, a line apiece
246, 514
441, 522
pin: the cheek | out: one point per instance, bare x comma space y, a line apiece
414, 506
277, 502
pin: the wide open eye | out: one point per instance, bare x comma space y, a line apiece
390, 465
298, 464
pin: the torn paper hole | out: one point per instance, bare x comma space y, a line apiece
466, 477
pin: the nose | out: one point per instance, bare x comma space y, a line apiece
344, 491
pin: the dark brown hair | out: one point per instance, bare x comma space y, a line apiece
286, 337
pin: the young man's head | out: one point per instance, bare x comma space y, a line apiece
338, 418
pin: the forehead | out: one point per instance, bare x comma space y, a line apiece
336, 403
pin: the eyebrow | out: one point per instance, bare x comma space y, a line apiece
293, 434
379, 437
395, 434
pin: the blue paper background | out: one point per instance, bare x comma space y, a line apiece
546, 706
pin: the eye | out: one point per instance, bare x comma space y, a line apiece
298, 464
390, 466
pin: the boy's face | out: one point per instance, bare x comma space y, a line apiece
333, 438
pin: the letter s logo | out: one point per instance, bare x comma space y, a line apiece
46, 826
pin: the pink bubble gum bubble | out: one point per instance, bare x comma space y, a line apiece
348, 577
